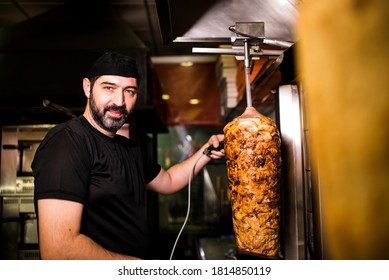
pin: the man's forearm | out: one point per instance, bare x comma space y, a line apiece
79, 247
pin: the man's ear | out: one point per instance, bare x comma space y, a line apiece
86, 86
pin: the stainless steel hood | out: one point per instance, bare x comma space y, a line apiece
212, 24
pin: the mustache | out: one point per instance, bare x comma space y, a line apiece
120, 109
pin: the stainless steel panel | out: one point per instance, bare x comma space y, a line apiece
26, 205
290, 125
9, 157
9, 207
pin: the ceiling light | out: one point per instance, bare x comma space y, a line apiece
186, 63
194, 101
165, 96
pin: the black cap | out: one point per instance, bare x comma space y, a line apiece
112, 63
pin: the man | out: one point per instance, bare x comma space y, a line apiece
90, 183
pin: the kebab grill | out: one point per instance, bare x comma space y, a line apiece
253, 158
252, 145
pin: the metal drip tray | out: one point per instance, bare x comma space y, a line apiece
217, 248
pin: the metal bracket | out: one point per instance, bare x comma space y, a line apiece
245, 41
247, 31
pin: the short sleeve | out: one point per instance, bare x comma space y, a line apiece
151, 168
60, 167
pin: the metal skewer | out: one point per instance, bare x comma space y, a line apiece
47, 103
247, 73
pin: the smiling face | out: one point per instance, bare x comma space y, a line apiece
110, 101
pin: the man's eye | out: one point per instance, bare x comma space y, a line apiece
131, 91
108, 88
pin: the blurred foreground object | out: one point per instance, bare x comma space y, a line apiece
344, 65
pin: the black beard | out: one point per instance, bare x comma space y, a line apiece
107, 123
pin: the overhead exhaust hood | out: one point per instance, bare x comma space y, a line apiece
210, 20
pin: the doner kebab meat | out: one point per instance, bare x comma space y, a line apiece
252, 144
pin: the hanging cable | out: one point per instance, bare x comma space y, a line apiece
188, 208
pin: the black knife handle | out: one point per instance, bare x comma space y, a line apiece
210, 148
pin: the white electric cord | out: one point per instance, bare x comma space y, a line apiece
188, 208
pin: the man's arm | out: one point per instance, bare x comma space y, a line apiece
177, 176
59, 233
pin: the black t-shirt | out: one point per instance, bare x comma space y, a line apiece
107, 175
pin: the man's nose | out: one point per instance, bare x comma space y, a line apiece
118, 98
